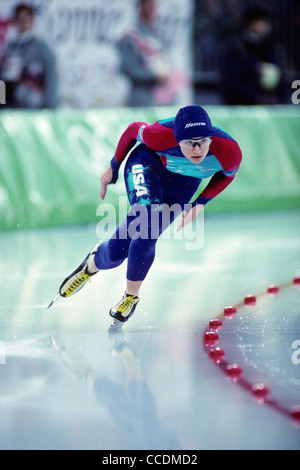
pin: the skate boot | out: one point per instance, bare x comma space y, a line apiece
77, 279
123, 310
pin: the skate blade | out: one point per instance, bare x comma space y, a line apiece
54, 300
115, 326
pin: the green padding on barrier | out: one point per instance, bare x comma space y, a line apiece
51, 161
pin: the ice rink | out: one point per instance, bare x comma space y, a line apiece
67, 384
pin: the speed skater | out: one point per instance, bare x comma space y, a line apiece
164, 169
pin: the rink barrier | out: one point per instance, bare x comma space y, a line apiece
259, 391
51, 161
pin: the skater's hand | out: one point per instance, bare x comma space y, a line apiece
105, 179
189, 216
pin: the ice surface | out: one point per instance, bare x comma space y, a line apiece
65, 383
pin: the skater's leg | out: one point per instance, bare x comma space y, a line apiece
133, 287
156, 199
138, 246
91, 266
143, 187
113, 252
140, 258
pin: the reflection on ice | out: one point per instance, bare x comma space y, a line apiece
131, 405
66, 384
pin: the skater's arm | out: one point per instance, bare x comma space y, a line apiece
126, 143
189, 216
229, 155
216, 185
105, 180
155, 136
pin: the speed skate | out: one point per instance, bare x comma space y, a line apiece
123, 310
77, 279
120, 313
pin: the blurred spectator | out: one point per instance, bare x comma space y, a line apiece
28, 66
214, 21
252, 70
143, 61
